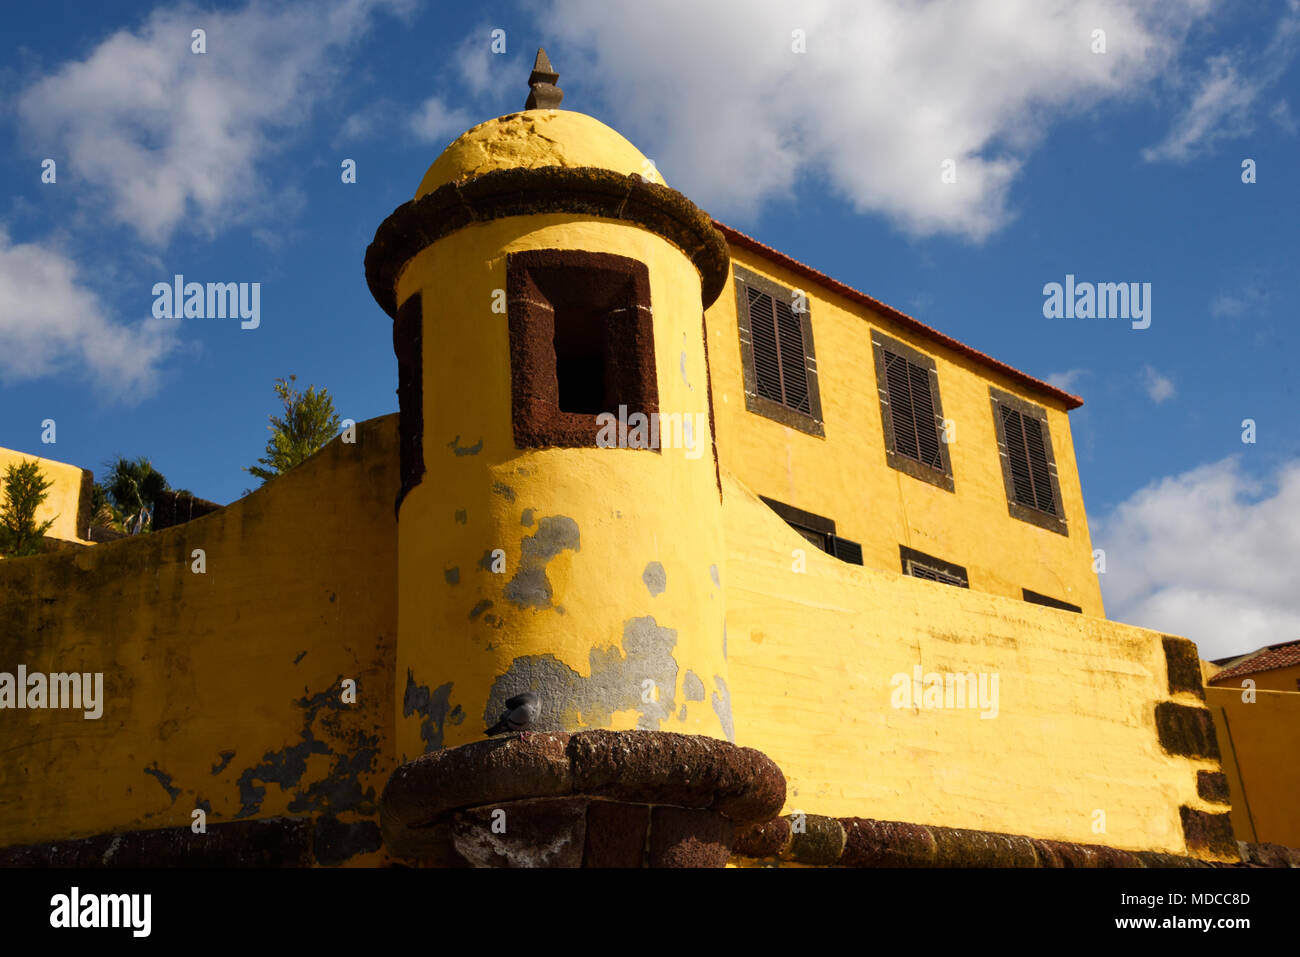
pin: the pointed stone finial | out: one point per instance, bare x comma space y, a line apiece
545, 94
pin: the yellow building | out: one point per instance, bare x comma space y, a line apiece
794, 577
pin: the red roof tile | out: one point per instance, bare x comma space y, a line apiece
1270, 658
736, 238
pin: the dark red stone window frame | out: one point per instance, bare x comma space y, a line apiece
538, 282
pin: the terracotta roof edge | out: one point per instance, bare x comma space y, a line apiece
915, 325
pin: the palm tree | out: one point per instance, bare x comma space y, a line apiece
133, 487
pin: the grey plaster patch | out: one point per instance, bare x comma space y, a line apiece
504, 490
681, 715
225, 760
722, 705
713, 573
478, 609
684, 379
452, 575
526, 518
301, 655
164, 779
456, 447
655, 578
485, 562
693, 687
434, 707
461, 516
530, 588
571, 701
340, 789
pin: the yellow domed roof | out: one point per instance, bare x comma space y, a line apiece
532, 139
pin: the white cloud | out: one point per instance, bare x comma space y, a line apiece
1209, 554
1224, 103
1159, 387
1281, 115
169, 137
51, 323
884, 94
434, 122
1068, 379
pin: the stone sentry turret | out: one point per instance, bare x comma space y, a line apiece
544, 282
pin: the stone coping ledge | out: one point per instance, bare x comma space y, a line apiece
656, 768
586, 191
863, 842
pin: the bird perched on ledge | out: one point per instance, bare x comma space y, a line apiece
522, 711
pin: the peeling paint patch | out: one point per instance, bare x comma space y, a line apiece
432, 706
571, 701
504, 490
164, 779
684, 379
713, 573
526, 518
452, 575
478, 609
456, 447
655, 578
485, 562
204, 805
225, 760
301, 655
681, 715
693, 687
340, 789
530, 588
461, 516
722, 705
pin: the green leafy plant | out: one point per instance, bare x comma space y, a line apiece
307, 424
132, 488
25, 488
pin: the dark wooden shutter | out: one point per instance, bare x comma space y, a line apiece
929, 573
780, 359
911, 409
1028, 455
767, 358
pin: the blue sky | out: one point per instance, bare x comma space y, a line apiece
1115, 166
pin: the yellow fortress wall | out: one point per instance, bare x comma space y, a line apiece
1260, 737
845, 477
812, 655
68, 498
222, 690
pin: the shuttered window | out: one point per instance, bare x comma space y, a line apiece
1028, 465
910, 411
776, 348
1025, 449
780, 361
920, 565
916, 433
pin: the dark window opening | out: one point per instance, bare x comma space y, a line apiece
920, 565
581, 344
1037, 599
580, 362
817, 530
